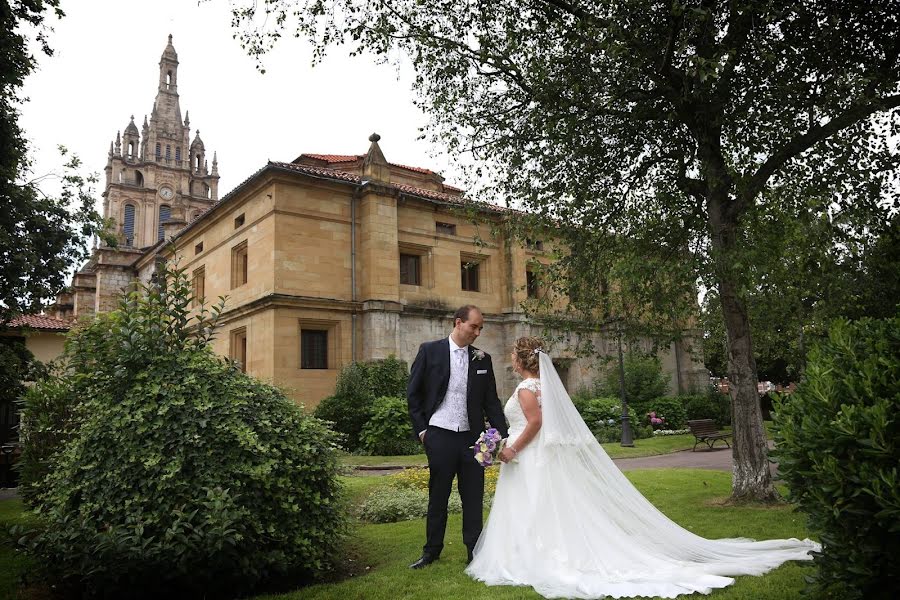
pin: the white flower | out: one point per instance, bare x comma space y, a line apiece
477, 354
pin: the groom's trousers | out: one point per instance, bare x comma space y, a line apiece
450, 455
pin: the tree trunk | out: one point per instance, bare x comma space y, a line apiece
750, 477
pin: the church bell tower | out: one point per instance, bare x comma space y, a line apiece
158, 174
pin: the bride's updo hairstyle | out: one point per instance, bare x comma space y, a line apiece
524, 349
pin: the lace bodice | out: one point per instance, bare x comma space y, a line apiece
513, 409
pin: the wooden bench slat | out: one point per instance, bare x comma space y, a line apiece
704, 430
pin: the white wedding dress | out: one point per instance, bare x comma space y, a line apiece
567, 522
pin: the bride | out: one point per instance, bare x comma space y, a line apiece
566, 522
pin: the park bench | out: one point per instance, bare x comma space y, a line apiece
704, 430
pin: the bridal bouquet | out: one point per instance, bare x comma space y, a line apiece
487, 447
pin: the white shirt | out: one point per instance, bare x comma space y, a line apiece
453, 412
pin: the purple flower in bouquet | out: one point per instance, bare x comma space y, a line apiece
487, 447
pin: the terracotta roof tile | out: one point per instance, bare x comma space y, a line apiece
345, 158
334, 158
39, 322
318, 171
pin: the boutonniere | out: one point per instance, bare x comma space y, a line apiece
477, 354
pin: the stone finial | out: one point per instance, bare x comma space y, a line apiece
146, 125
215, 169
187, 118
131, 128
375, 165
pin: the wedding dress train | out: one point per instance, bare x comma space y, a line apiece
567, 522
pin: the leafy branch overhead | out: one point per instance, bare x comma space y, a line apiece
660, 129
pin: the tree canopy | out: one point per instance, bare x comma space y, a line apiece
41, 236
663, 129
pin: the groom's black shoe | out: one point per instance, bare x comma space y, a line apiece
424, 561
470, 556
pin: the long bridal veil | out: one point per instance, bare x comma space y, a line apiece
595, 535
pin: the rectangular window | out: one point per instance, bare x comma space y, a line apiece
313, 348
239, 265
198, 248
199, 285
239, 220
469, 272
410, 269
445, 228
532, 284
238, 350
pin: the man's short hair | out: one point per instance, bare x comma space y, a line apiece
463, 313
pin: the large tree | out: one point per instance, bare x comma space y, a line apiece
42, 235
810, 273
660, 128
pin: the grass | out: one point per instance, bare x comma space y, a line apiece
12, 564
692, 498
644, 447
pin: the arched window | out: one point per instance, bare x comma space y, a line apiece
197, 163
158, 151
138, 178
178, 154
168, 79
168, 152
164, 212
130, 149
128, 225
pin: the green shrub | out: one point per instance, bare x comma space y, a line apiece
669, 408
405, 498
52, 408
644, 380
352, 404
387, 377
389, 505
712, 405
603, 417
389, 430
184, 476
838, 447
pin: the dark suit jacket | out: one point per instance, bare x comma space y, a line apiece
428, 380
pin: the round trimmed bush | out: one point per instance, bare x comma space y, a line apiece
389, 431
838, 447
357, 387
184, 476
669, 408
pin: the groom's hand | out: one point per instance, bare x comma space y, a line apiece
422, 437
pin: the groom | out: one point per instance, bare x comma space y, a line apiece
451, 389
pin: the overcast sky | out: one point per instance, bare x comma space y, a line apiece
106, 68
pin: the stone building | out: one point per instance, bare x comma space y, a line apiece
325, 260
154, 176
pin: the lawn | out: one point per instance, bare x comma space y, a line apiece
690, 497
644, 447
12, 564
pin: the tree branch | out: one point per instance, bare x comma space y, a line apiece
805, 141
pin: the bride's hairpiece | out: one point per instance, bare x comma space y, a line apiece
537, 350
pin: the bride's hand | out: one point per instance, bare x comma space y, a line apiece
507, 454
